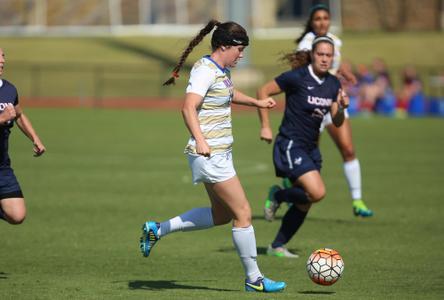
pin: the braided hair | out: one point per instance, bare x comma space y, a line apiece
226, 34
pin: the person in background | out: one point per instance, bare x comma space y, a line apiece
318, 24
311, 92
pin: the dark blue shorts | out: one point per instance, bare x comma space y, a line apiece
9, 186
291, 160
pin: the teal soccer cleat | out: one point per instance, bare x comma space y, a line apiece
361, 210
265, 285
149, 237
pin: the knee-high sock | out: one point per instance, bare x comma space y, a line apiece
292, 195
291, 222
195, 219
352, 171
245, 243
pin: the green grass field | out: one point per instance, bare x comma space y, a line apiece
107, 171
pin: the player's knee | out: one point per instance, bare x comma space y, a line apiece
348, 152
317, 195
16, 219
243, 217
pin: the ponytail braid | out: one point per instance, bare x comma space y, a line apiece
194, 42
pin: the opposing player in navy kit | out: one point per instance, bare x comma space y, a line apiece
311, 92
12, 202
319, 24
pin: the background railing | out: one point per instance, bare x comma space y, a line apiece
101, 81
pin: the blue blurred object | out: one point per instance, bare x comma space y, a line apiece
417, 105
353, 107
436, 107
386, 105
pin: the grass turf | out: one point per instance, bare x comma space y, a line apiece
107, 171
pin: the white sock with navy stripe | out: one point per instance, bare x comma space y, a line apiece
195, 219
245, 243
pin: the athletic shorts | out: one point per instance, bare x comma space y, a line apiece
328, 120
217, 168
291, 161
9, 186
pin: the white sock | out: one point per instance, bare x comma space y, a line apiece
245, 243
195, 219
352, 171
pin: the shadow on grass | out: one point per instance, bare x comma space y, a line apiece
261, 217
316, 293
260, 250
319, 220
3, 275
156, 285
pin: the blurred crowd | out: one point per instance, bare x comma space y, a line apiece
375, 93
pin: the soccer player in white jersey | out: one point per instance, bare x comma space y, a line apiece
318, 25
207, 115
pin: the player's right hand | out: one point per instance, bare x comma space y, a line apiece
203, 149
267, 134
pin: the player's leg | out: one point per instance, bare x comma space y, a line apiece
194, 219
232, 195
13, 210
312, 186
342, 137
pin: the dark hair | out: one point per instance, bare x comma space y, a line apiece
308, 27
302, 58
226, 34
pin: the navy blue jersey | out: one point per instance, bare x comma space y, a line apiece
307, 100
8, 95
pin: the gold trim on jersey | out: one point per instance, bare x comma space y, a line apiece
190, 149
215, 133
206, 120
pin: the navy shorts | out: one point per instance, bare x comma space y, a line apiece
9, 186
291, 160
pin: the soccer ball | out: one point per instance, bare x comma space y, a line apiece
325, 266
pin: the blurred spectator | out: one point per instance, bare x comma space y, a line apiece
377, 94
410, 97
351, 89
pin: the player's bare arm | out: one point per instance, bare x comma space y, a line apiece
271, 88
189, 113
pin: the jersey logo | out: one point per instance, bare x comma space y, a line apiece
298, 161
317, 113
310, 87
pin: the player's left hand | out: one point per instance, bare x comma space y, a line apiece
39, 148
266, 103
343, 99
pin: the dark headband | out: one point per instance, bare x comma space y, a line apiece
318, 7
222, 37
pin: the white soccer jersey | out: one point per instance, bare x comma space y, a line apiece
213, 83
306, 44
